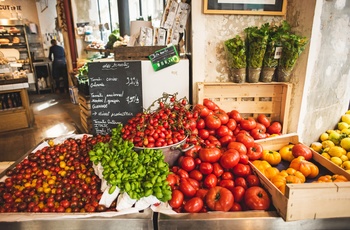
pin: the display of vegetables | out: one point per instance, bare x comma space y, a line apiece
139, 174
56, 178
334, 144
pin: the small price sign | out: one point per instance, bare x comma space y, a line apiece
164, 57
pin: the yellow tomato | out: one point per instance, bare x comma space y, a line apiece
271, 156
271, 172
336, 151
286, 152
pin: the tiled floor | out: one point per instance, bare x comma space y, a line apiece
54, 115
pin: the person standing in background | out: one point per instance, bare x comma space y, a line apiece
59, 67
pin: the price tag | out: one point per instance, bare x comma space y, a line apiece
164, 57
278, 52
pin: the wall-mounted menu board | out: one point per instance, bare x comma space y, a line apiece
115, 93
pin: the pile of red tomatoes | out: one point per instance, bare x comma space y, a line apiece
215, 175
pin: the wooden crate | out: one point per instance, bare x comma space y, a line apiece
13, 119
134, 52
85, 120
250, 99
307, 200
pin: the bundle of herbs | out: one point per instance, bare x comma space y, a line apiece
293, 45
273, 50
236, 52
274, 41
256, 41
236, 57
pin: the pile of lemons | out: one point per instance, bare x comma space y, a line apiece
335, 144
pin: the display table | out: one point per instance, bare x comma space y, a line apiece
16, 113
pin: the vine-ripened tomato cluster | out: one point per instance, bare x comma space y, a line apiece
168, 124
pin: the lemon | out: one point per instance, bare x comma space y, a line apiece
344, 158
346, 165
337, 161
327, 144
324, 137
336, 151
326, 155
317, 146
345, 143
343, 125
346, 131
348, 154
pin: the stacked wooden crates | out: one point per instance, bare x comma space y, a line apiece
85, 112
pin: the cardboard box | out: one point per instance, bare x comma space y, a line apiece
250, 99
307, 200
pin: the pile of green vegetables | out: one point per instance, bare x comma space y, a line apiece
139, 174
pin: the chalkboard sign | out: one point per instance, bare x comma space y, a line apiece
115, 93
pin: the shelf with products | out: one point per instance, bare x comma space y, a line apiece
13, 35
15, 110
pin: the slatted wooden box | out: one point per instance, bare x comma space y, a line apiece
308, 200
250, 99
134, 52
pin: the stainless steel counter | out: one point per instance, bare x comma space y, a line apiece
245, 221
